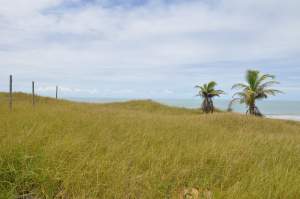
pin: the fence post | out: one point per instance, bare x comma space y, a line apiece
56, 95
10, 92
33, 94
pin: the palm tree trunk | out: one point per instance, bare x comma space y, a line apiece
211, 105
257, 112
206, 105
251, 109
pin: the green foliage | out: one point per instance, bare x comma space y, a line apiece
141, 149
257, 87
208, 92
21, 175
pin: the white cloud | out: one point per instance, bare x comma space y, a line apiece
21, 8
48, 39
66, 90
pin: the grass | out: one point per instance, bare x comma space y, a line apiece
142, 149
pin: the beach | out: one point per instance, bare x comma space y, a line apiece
284, 117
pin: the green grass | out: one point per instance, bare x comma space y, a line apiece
141, 149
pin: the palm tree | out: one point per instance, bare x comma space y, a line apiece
256, 88
208, 92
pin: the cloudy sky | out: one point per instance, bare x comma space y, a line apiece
147, 48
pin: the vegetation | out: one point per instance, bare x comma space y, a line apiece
208, 92
141, 149
257, 88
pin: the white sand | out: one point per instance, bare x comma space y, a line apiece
285, 117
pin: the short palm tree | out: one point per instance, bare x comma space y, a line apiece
208, 92
257, 88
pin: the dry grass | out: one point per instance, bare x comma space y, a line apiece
142, 149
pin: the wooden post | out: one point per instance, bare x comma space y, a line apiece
33, 94
10, 92
56, 96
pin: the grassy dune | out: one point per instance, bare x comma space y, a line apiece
141, 149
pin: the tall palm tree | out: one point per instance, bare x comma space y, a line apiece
208, 92
257, 87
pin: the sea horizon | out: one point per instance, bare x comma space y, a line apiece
276, 109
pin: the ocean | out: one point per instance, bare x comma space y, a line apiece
270, 108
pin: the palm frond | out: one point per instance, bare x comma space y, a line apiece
207, 92
211, 85
257, 88
272, 91
262, 78
268, 84
220, 91
234, 100
239, 85
240, 94
252, 77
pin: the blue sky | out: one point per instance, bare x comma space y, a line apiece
147, 48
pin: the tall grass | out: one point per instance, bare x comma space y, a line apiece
141, 149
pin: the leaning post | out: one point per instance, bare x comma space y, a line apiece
10, 92
33, 94
56, 94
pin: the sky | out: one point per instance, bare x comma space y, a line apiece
147, 48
